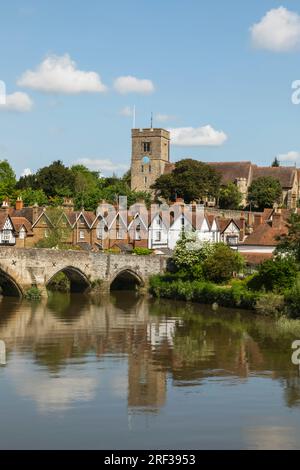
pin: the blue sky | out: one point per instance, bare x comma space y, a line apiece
201, 63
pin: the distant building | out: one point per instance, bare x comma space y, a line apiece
151, 158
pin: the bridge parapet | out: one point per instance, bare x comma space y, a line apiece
27, 267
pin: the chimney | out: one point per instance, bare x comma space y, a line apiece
68, 204
258, 220
19, 204
5, 206
277, 220
243, 228
35, 213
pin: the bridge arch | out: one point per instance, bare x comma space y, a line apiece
78, 280
9, 287
126, 279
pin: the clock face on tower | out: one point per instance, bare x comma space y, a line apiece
146, 160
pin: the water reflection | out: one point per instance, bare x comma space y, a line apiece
68, 351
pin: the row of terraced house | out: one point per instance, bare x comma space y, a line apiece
255, 235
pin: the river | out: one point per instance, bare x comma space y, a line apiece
133, 372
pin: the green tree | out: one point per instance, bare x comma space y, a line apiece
290, 242
7, 180
189, 254
33, 196
230, 197
275, 275
190, 180
265, 192
222, 263
127, 177
59, 230
275, 162
28, 181
55, 180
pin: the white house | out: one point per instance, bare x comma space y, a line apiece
7, 232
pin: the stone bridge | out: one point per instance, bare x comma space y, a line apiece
22, 268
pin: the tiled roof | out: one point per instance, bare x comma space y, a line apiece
3, 218
26, 212
254, 259
19, 222
230, 171
265, 235
284, 174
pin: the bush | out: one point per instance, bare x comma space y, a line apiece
292, 299
33, 293
275, 275
60, 282
222, 263
270, 304
141, 251
202, 291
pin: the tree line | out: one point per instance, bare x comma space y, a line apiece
191, 180
50, 184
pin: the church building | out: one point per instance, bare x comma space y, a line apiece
150, 158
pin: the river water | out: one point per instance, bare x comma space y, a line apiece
132, 372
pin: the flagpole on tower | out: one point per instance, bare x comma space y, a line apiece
133, 117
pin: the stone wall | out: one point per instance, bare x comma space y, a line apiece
28, 267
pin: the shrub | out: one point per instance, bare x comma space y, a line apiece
202, 291
222, 263
60, 282
33, 293
141, 251
277, 274
270, 304
292, 299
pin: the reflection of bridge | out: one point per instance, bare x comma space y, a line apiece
21, 269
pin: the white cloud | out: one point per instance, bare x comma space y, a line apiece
59, 74
197, 136
104, 166
164, 117
129, 84
291, 156
26, 172
127, 111
277, 31
17, 101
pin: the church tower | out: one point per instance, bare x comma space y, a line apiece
150, 153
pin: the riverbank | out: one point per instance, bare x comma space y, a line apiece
234, 295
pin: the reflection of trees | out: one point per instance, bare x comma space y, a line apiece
190, 342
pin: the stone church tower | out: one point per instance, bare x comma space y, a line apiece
150, 154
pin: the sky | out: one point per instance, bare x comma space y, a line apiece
218, 74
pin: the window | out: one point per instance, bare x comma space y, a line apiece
6, 235
81, 234
149, 168
119, 234
142, 168
145, 179
146, 146
232, 240
158, 236
46, 233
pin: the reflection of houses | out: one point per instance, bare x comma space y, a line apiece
154, 347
